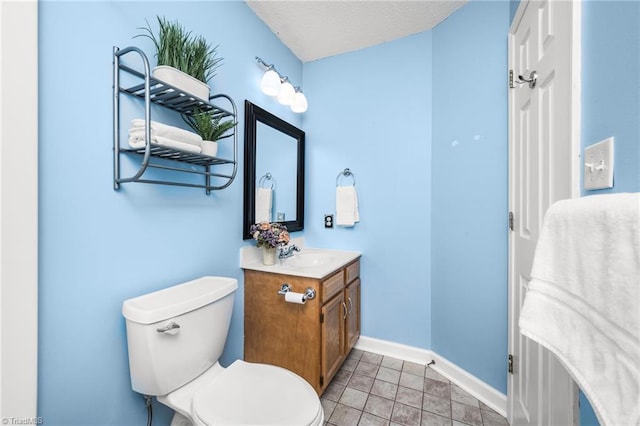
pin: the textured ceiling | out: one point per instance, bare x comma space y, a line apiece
315, 29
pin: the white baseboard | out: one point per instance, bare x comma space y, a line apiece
476, 387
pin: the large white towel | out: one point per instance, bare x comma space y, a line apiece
164, 130
137, 143
347, 210
583, 303
263, 205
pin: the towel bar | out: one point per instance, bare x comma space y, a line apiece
346, 172
267, 177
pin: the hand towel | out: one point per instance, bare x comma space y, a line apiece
137, 143
263, 205
347, 210
164, 130
583, 301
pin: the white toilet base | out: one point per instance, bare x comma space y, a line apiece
180, 420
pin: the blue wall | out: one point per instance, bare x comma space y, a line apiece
97, 246
370, 111
611, 85
469, 192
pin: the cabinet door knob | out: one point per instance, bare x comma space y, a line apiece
350, 305
344, 306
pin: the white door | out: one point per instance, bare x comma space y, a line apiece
543, 168
18, 210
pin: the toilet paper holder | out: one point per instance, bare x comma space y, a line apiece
309, 293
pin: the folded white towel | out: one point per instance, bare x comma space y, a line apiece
164, 130
583, 302
137, 143
347, 211
263, 205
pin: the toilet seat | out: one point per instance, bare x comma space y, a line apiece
257, 394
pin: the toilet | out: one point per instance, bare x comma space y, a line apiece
175, 337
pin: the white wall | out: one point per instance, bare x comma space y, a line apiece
18, 209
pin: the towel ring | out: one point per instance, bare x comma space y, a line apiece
267, 177
346, 172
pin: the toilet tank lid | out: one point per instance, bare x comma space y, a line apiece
177, 300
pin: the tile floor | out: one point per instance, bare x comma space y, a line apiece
372, 389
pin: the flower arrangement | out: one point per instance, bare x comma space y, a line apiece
270, 235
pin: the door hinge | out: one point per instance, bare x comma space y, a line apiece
321, 381
321, 318
510, 364
511, 79
511, 221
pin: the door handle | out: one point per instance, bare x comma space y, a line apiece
532, 80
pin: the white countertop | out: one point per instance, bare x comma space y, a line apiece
309, 262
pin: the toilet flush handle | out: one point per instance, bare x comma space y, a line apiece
171, 328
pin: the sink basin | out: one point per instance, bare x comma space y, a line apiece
310, 262
308, 258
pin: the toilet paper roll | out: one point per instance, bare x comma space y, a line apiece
291, 297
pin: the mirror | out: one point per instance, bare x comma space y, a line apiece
273, 170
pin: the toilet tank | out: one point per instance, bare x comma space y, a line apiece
175, 334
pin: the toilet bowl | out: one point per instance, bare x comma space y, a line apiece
175, 337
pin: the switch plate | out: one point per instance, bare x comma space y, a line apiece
328, 221
598, 165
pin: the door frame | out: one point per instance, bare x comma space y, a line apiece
19, 210
575, 76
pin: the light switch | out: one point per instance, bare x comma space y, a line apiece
598, 165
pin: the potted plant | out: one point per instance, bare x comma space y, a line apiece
269, 236
210, 127
184, 60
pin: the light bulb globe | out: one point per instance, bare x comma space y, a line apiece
270, 83
299, 103
286, 94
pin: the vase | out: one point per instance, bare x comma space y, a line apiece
268, 256
209, 148
182, 81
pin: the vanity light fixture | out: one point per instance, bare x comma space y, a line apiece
274, 84
299, 103
270, 83
286, 93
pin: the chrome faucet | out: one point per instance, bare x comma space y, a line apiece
287, 251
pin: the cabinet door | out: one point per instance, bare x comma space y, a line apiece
352, 300
280, 333
333, 337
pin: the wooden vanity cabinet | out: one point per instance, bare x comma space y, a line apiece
312, 339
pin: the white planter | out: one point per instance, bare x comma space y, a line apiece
209, 148
182, 81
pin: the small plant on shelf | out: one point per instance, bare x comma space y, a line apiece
208, 124
178, 48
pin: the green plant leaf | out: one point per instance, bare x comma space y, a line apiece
208, 124
178, 48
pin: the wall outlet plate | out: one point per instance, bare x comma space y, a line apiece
598, 165
328, 221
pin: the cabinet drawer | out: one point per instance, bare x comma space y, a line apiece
353, 271
332, 285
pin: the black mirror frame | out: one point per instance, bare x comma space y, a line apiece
253, 114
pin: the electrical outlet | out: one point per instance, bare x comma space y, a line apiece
328, 221
280, 216
598, 165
